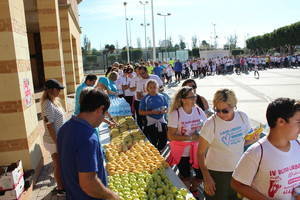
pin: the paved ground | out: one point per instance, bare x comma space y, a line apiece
253, 94
253, 98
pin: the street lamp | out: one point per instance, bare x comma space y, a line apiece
215, 36
145, 27
129, 22
127, 46
153, 32
165, 16
144, 3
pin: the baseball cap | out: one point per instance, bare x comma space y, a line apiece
52, 83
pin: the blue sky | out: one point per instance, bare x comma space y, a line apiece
103, 21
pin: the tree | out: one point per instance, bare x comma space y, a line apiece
86, 46
195, 52
204, 45
283, 39
138, 42
136, 55
232, 41
194, 41
181, 42
176, 46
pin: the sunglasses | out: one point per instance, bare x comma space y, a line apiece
224, 111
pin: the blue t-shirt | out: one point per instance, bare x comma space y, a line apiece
158, 71
178, 66
80, 151
78, 91
109, 84
153, 103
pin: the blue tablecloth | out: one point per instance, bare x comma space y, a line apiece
119, 107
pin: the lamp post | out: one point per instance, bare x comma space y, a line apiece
153, 32
165, 16
145, 27
144, 3
129, 22
215, 36
127, 45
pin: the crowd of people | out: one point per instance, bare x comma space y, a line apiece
207, 147
202, 67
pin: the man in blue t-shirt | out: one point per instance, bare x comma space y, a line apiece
158, 70
178, 70
80, 152
90, 80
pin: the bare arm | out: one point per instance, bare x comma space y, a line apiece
104, 88
139, 95
173, 136
93, 187
132, 89
125, 87
209, 184
247, 191
50, 128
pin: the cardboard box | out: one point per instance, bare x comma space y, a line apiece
11, 175
15, 193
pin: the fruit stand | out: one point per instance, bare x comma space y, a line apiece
135, 167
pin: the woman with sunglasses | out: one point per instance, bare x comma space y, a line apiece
185, 121
221, 145
200, 100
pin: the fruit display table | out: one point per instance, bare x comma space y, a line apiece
135, 167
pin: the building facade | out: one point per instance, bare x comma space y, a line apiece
39, 40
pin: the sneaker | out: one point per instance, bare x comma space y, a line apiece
59, 192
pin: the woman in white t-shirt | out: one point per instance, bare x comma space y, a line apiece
125, 84
221, 145
185, 121
53, 117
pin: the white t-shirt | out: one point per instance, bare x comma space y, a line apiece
142, 83
226, 141
119, 85
133, 84
187, 124
127, 81
278, 174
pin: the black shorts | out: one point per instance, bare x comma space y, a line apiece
177, 73
184, 168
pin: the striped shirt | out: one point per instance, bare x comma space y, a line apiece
55, 116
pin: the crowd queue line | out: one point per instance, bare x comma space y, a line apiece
209, 143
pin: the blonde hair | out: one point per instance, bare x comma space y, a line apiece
151, 81
112, 75
179, 95
47, 96
226, 96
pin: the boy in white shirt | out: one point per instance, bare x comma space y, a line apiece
270, 169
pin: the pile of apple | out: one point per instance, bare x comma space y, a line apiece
141, 157
143, 186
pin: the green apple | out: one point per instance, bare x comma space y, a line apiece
162, 197
182, 191
179, 197
159, 191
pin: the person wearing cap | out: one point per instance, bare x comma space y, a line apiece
54, 117
89, 81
